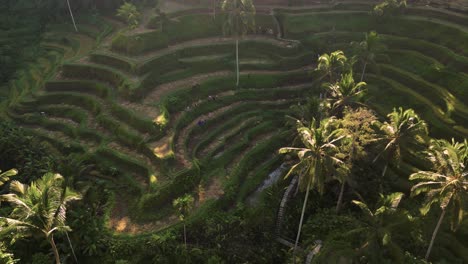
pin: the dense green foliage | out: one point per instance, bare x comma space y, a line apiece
176, 163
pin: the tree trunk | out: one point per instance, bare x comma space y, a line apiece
214, 9
54, 249
363, 71
71, 14
72, 249
435, 234
340, 197
382, 177
300, 222
185, 237
237, 61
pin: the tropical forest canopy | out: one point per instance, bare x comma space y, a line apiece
233, 131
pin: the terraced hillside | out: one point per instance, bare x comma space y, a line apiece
160, 110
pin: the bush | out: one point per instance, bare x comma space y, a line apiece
26, 153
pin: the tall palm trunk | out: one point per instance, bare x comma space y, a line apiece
71, 14
54, 249
237, 61
340, 197
363, 71
214, 8
302, 219
185, 237
382, 177
434, 234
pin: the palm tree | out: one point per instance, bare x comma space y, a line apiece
5, 176
183, 205
404, 129
240, 19
344, 93
38, 209
71, 15
367, 50
447, 184
379, 226
332, 64
317, 159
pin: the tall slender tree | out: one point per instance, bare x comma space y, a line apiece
332, 65
183, 205
367, 50
379, 226
38, 209
240, 20
317, 159
344, 93
446, 184
404, 128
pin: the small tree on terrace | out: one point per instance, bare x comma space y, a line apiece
130, 13
183, 205
367, 50
240, 19
447, 184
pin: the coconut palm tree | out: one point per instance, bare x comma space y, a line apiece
5, 176
38, 209
317, 159
240, 19
404, 128
379, 226
183, 205
447, 184
367, 50
332, 64
344, 93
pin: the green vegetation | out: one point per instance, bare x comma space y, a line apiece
130, 14
175, 141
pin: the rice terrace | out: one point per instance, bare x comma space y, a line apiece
234, 131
